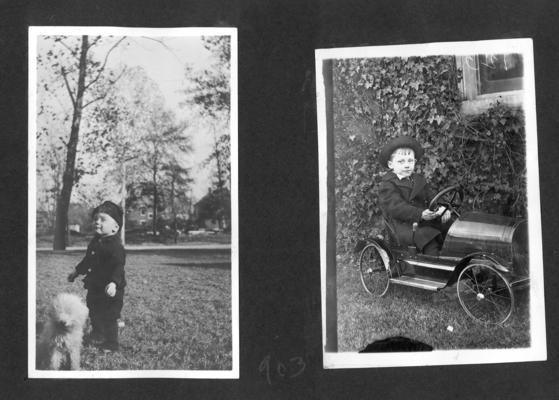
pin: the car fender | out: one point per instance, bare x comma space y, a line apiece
382, 244
491, 259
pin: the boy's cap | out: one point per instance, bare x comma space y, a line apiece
110, 208
399, 143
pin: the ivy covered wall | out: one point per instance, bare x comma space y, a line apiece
378, 99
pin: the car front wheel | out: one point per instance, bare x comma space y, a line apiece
485, 294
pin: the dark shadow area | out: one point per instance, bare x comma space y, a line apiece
180, 252
216, 265
396, 344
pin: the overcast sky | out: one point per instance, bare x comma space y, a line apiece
165, 65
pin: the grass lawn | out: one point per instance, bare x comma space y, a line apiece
418, 314
140, 238
177, 310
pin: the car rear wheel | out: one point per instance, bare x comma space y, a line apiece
485, 294
374, 267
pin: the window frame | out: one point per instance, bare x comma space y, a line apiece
473, 101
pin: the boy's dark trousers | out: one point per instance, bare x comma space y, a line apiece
103, 314
433, 247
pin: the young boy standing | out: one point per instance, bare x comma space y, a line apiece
103, 267
404, 197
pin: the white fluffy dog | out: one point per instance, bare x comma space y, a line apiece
60, 343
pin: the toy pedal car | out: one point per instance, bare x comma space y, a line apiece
485, 255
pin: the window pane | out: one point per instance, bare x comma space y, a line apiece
500, 72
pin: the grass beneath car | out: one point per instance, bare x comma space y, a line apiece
436, 318
177, 310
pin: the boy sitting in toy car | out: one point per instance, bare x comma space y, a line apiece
404, 197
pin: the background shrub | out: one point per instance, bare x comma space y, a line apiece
378, 99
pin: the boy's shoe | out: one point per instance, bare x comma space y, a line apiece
95, 339
109, 347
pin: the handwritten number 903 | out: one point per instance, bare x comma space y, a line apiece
293, 368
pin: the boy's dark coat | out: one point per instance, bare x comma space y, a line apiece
104, 263
402, 202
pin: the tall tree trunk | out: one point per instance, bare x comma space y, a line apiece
63, 202
219, 169
220, 187
217, 155
173, 211
123, 203
155, 199
54, 201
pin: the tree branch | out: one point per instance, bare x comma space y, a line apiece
119, 75
63, 71
105, 95
162, 43
94, 100
94, 42
129, 158
68, 47
104, 63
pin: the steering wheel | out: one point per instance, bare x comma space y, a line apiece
450, 198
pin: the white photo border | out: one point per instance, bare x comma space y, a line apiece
538, 350
34, 32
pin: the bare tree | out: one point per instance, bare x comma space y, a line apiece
165, 140
178, 181
74, 67
210, 91
136, 103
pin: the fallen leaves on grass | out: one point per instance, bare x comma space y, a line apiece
177, 311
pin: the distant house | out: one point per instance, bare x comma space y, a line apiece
209, 224
139, 209
139, 215
74, 228
213, 211
140, 212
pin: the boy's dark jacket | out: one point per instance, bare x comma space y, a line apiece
103, 263
402, 202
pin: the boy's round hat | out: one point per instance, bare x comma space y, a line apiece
399, 143
110, 208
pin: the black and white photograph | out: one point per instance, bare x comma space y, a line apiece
430, 227
133, 221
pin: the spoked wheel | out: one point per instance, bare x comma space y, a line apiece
485, 294
374, 266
